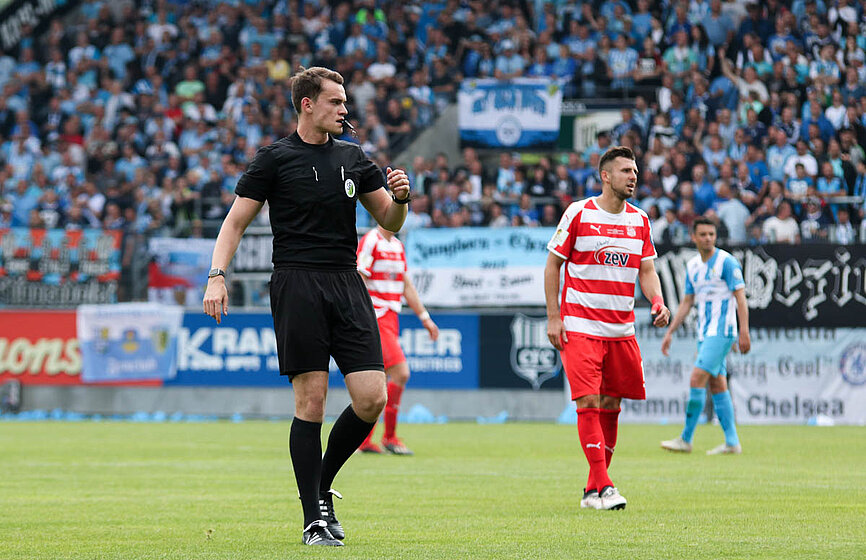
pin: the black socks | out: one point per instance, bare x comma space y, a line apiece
305, 447
347, 434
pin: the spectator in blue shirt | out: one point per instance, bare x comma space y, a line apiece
540, 66
816, 117
679, 20
756, 164
778, 153
755, 130
830, 186
719, 27
852, 89
24, 199
641, 20
798, 187
755, 23
704, 193
118, 54
609, 8
599, 147
714, 155
509, 64
621, 63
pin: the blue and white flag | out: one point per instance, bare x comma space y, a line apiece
128, 341
520, 113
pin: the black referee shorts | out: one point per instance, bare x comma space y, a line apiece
318, 314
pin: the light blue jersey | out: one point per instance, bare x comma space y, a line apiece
713, 284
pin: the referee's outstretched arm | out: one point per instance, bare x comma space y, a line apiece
388, 210
242, 212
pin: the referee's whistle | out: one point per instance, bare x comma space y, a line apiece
350, 127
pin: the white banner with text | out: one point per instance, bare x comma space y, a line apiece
791, 376
478, 266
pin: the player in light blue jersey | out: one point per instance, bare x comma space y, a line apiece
714, 280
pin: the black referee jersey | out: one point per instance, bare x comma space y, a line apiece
312, 190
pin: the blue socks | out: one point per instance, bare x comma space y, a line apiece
725, 411
697, 397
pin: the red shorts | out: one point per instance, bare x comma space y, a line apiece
389, 332
603, 367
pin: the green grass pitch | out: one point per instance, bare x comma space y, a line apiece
226, 491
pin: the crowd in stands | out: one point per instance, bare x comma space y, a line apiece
142, 116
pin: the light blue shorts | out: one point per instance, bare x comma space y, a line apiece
712, 352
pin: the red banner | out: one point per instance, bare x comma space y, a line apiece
39, 347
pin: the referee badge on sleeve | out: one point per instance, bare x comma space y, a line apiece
349, 185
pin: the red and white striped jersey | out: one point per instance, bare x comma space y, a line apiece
603, 253
383, 264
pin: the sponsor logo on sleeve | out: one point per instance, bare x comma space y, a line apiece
559, 237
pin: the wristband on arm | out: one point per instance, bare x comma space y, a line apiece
424, 316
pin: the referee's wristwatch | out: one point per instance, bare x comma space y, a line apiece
401, 200
214, 272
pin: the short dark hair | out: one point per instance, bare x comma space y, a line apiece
703, 220
308, 83
613, 153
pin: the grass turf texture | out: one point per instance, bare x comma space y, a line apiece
222, 490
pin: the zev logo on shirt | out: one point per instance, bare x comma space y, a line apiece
612, 255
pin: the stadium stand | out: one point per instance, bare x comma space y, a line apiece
141, 116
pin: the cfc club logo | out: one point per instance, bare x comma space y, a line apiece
852, 365
532, 356
612, 255
423, 281
508, 131
349, 185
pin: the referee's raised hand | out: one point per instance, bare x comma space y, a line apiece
398, 183
216, 298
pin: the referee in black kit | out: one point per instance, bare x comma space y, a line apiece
320, 305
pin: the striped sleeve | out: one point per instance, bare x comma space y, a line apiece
562, 242
690, 288
732, 274
365, 253
649, 248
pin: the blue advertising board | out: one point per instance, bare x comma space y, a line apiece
242, 351
451, 362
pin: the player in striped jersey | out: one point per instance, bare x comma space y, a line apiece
714, 280
382, 264
606, 244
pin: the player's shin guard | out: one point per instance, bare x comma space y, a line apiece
395, 392
305, 447
697, 397
347, 434
609, 420
725, 411
592, 442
